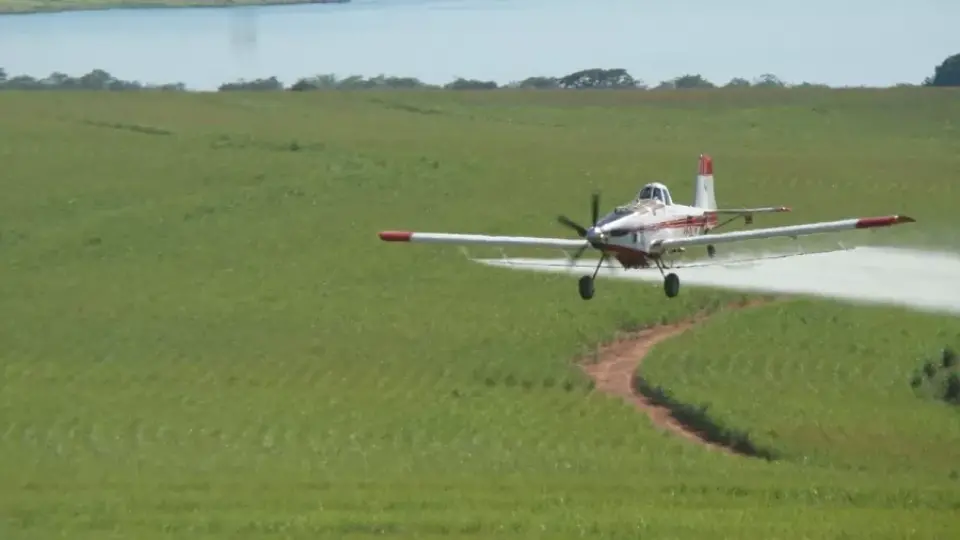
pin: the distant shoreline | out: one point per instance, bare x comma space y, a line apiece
67, 6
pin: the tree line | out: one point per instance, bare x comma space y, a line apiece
945, 74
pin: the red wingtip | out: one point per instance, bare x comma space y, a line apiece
706, 165
885, 221
395, 236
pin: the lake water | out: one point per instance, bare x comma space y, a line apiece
849, 42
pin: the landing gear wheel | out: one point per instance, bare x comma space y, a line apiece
586, 287
671, 285
711, 251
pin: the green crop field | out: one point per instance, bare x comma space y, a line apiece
203, 337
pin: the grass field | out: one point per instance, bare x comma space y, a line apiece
204, 337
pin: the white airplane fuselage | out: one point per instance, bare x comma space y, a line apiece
628, 232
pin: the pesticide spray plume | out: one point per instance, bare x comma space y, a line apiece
923, 280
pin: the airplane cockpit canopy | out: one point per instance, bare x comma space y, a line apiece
655, 191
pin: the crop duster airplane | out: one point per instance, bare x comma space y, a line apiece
639, 234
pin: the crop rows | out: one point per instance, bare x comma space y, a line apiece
203, 336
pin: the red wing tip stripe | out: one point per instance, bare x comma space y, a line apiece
885, 221
395, 236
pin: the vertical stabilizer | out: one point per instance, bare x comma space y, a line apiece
705, 197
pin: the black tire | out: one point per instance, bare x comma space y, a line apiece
586, 287
671, 285
711, 251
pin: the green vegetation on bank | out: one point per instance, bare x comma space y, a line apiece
13, 7
945, 74
204, 337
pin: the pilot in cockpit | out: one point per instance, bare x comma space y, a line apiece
653, 192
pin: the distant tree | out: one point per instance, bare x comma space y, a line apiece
806, 84
60, 80
271, 83
598, 78
470, 84
21, 82
302, 85
946, 74
317, 82
383, 81
539, 83
769, 80
169, 87
354, 82
97, 79
691, 81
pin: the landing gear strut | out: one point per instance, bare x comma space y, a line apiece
671, 282
586, 282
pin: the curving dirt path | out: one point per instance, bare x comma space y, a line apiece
613, 367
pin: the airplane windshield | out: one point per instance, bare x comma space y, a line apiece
653, 192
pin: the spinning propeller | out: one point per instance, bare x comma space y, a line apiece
581, 230
584, 232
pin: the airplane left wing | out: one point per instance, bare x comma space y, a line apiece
480, 239
791, 231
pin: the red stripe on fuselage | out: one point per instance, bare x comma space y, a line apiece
691, 221
631, 257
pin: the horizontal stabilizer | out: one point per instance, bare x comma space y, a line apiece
789, 231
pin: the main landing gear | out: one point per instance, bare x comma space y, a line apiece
671, 282
586, 287
586, 282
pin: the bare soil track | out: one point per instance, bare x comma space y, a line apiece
614, 365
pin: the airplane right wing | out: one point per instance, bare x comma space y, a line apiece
791, 231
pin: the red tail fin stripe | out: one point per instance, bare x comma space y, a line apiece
706, 165
395, 236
